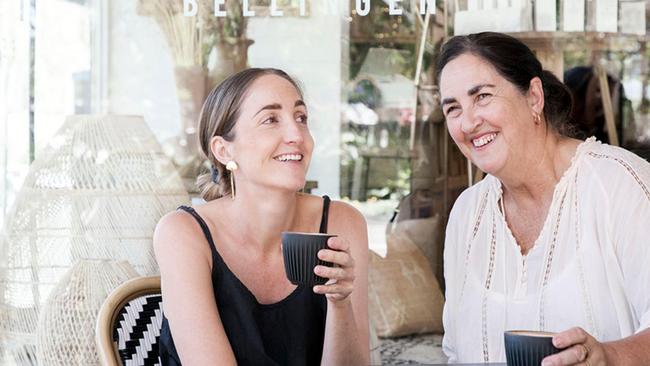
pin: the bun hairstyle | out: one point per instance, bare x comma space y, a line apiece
218, 117
515, 62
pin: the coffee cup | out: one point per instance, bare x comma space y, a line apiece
300, 253
528, 347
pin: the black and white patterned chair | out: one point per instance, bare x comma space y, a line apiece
128, 324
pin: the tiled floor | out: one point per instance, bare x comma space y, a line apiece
413, 350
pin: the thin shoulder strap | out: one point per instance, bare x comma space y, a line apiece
204, 226
323, 220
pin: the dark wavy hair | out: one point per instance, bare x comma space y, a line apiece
515, 62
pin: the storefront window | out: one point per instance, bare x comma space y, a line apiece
46, 75
381, 142
14, 99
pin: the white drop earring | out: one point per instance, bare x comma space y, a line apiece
231, 166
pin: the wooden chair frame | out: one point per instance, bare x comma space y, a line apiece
129, 290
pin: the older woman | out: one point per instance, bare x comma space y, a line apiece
226, 297
556, 237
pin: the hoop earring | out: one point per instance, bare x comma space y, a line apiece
231, 167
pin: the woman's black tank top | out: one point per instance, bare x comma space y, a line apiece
289, 332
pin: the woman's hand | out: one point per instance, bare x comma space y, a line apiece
341, 277
580, 349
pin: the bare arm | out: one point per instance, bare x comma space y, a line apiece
189, 304
632, 350
346, 328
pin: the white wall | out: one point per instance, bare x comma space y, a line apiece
14, 103
141, 72
62, 50
141, 79
310, 49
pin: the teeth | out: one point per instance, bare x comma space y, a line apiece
483, 140
288, 157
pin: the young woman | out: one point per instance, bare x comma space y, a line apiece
226, 298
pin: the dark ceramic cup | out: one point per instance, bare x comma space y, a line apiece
300, 252
527, 347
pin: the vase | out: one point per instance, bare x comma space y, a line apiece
231, 58
191, 92
191, 89
193, 84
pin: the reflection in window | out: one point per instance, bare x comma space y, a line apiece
45, 75
376, 129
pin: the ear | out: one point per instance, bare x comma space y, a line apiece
221, 149
535, 95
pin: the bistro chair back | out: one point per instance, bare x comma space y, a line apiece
129, 322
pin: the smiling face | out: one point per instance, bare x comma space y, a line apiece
490, 120
272, 143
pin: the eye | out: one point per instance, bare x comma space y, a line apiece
269, 120
452, 111
483, 97
302, 118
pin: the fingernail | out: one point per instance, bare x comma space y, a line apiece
557, 342
547, 363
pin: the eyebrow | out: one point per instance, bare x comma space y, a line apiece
473, 90
275, 106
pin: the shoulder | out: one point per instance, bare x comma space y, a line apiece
348, 222
615, 170
345, 215
471, 199
617, 158
339, 212
176, 223
344, 212
178, 230
466, 214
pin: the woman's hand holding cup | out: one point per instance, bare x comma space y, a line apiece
581, 348
340, 277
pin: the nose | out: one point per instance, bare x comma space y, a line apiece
293, 132
470, 121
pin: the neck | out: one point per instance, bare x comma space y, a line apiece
538, 171
260, 216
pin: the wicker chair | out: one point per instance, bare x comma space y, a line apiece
128, 324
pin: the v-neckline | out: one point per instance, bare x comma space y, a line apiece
216, 256
559, 186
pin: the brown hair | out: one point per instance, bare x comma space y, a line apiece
218, 117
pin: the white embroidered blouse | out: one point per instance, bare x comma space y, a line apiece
590, 266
